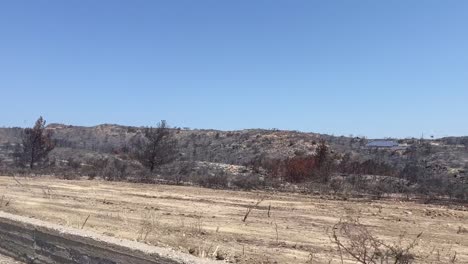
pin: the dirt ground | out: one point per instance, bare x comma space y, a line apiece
208, 223
8, 260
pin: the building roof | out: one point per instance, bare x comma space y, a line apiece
382, 144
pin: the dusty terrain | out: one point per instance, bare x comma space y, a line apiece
204, 221
8, 260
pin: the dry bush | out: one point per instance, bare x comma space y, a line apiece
218, 179
300, 167
198, 226
462, 230
4, 202
207, 250
47, 192
147, 226
337, 185
115, 170
354, 240
247, 182
177, 172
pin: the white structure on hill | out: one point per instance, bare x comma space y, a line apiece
382, 144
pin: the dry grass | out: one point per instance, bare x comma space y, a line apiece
355, 242
148, 225
208, 223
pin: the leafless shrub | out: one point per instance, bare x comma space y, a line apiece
207, 250
354, 240
462, 230
74, 164
147, 226
218, 179
197, 227
247, 182
337, 185
177, 172
4, 202
115, 170
47, 192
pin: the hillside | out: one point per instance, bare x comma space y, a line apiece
219, 152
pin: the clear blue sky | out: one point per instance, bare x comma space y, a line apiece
373, 68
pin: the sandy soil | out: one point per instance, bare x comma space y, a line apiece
208, 223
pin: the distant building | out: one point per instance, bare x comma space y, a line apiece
382, 144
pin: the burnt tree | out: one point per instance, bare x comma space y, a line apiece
36, 144
156, 146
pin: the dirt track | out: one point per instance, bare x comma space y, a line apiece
203, 221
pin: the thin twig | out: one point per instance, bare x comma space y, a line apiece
14, 177
85, 221
215, 252
252, 207
276, 229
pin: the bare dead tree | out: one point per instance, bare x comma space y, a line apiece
36, 144
156, 146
